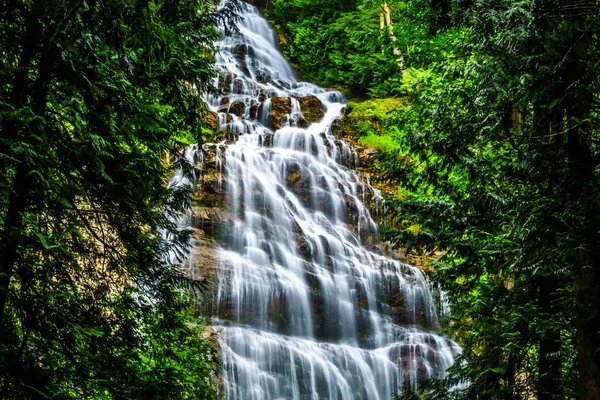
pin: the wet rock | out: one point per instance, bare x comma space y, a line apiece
303, 248
202, 267
213, 152
240, 52
267, 139
225, 80
371, 152
369, 242
238, 86
293, 177
211, 195
263, 78
203, 254
312, 108
302, 123
336, 128
280, 108
226, 135
203, 216
238, 108
254, 111
211, 119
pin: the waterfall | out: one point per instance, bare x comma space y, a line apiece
306, 305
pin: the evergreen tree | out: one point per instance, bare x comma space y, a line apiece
93, 96
504, 142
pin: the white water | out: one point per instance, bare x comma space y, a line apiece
306, 308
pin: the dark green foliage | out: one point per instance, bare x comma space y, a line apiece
498, 160
496, 152
344, 36
352, 50
500, 152
94, 96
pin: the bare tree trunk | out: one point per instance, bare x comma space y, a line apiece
385, 21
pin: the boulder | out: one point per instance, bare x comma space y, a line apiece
312, 108
211, 119
280, 107
237, 108
337, 129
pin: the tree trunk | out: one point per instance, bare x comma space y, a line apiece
385, 20
588, 339
17, 200
582, 191
13, 223
11, 232
549, 384
581, 168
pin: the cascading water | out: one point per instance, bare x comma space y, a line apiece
306, 307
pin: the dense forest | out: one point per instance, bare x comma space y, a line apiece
483, 114
95, 95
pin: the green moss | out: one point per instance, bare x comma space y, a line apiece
381, 142
367, 121
376, 108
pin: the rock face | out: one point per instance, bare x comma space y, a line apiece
237, 108
254, 110
211, 119
203, 255
240, 52
348, 128
225, 80
312, 108
280, 108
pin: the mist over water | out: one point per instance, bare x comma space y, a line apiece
307, 307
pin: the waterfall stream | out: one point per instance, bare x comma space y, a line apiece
307, 307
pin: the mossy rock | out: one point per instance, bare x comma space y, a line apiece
280, 107
368, 118
312, 108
